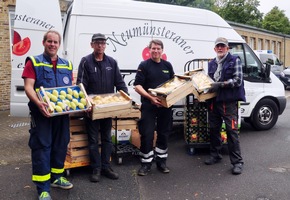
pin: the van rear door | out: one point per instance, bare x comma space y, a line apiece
32, 19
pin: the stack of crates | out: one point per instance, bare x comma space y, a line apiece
196, 123
196, 131
78, 152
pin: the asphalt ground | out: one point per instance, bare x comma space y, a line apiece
266, 173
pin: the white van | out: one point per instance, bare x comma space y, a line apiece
188, 35
267, 56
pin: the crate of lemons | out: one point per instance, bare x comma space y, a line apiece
65, 100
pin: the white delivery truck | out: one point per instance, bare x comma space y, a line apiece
267, 56
188, 35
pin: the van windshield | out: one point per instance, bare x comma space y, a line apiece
252, 67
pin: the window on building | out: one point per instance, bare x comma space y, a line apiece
278, 50
245, 38
267, 44
252, 43
273, 46
260, 44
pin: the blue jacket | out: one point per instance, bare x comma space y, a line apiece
227, 94
45, 75
100, 77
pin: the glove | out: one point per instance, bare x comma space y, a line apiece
215, 86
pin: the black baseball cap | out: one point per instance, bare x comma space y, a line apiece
98, 36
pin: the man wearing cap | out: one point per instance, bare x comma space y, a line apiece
100, 74
226, 71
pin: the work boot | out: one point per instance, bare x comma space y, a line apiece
237, 169
161, 166
109, 173
95, 177
144, 170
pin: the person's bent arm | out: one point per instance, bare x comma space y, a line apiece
154, 100
31, 94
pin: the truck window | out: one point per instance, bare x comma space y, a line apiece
251, 66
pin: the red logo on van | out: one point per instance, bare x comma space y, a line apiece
20, 47
146, 54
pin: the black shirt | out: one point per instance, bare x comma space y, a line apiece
151, 74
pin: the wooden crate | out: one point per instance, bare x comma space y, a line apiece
200, 90
203, 96
67, 108
135, 113
169, 98
113, 109
124, 124
78, 151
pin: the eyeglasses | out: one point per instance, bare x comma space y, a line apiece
99, 43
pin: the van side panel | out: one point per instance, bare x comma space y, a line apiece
131, 26
29, 27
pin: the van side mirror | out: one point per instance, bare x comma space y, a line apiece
270, 61
267, 70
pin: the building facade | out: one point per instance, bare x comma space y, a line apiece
256, 38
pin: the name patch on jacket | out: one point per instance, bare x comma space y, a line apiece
165, 71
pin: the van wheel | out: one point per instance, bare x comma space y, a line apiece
265, 115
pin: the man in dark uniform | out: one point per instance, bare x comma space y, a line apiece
49, 136
100, 74
150, 74
226, 71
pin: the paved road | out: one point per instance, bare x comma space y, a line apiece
266, 174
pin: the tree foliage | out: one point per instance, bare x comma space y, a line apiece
276, 21
241, 11
205, 4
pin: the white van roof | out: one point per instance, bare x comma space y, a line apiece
152, 11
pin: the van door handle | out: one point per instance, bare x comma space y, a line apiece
19, 88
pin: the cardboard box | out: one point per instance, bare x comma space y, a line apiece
65, 100
102, 109
136, 140
123, 136
173, 90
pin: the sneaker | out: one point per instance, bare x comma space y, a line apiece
162, 167
62, 183
144, 170
212, 160
109, 173
95, 177
44, 196
237, 169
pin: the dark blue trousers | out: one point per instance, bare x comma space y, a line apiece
48, 141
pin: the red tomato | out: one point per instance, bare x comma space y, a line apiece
22, 47
164, 57
145, 53
16, 37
